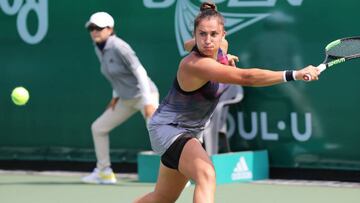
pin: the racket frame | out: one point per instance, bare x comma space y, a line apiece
336, 59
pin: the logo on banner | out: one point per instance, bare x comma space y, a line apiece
22, 9
241, 170
186, 11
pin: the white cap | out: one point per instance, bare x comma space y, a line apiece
101, 19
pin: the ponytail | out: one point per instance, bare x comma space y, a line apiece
208, 10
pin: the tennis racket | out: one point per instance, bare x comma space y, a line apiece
339, 51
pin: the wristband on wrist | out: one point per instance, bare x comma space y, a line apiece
284, 77
294, 74
289, 75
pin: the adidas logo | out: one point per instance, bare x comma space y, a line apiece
241, 170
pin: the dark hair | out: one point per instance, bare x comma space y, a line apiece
208, 10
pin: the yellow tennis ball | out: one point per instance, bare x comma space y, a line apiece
20, 96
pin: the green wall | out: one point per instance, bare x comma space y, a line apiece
311, 125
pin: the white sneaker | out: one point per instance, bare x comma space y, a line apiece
105, 176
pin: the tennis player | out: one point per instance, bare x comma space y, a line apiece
177, 125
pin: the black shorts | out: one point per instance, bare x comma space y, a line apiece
171, 157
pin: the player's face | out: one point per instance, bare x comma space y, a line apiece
208, 36
99, 35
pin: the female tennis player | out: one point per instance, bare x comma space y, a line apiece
176, 126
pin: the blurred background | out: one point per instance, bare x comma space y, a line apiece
45, 47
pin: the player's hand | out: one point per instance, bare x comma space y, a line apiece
308, 73
149, 109
112, 103
232, 59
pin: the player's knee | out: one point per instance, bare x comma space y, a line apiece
207, 176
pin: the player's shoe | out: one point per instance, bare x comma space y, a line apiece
105, 176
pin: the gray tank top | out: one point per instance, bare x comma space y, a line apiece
183, 112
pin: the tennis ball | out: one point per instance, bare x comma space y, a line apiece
20, 96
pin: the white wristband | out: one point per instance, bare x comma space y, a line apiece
284, 76
294, 74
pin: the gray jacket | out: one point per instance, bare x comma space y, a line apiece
121, 66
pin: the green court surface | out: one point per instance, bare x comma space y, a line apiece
66, 187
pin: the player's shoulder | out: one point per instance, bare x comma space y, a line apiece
194, 60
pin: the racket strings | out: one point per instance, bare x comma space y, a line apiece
345, 48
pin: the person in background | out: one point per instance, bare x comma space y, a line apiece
133, 91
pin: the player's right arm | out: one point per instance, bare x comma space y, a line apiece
196, 71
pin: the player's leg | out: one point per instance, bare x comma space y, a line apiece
168, 187
195, 164
170, 181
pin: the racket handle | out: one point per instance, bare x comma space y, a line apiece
321, 68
